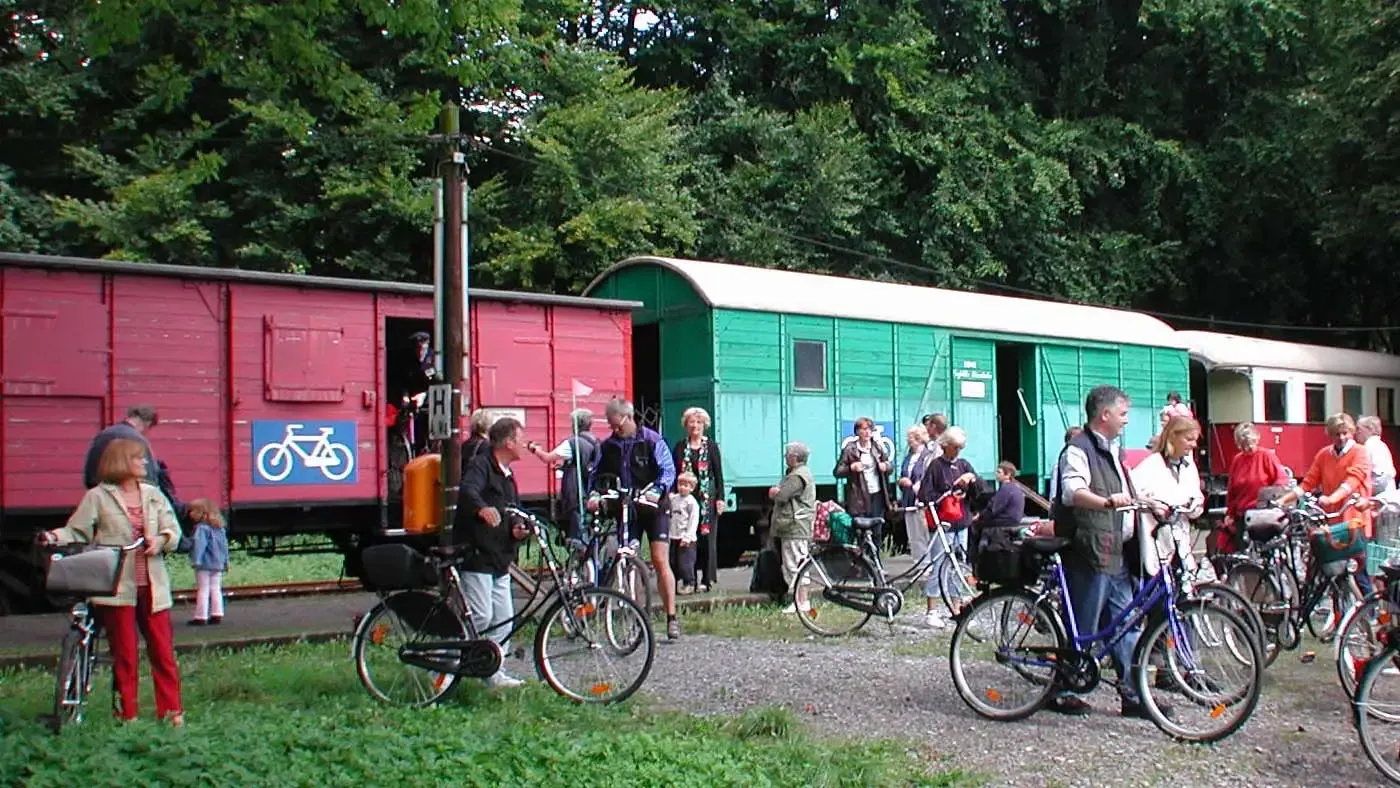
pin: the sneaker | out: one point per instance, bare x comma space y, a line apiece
499, 680
673, 629
196, 622
934, 621
216, 620
789, 610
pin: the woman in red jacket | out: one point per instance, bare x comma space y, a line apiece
1251, 470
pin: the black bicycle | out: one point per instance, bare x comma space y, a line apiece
418, 641
78, 657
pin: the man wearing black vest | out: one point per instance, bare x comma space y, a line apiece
1092, 483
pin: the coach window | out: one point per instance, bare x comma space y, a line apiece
1385, 405
1351, 401
1275, 400
1315, 396
808, 365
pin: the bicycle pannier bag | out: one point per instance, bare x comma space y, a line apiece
1339, 542
394, 567
1001, 561
821, 521
96, 571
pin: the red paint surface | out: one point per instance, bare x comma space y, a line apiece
78, 348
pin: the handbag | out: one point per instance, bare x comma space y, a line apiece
96, 571
950, 509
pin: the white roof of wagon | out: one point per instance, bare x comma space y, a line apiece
1234, 351
756, 289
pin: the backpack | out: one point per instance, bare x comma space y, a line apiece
767, 575
585, 452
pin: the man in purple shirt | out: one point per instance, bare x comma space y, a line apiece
637, 456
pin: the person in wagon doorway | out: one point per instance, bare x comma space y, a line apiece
865, 468
118, 510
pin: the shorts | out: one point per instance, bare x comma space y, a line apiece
652, 522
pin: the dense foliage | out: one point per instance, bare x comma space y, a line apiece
1234, 159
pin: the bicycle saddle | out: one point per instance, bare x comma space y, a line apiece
1045, 545
866, 523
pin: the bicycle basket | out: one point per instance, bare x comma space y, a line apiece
1338, 542
95, 571
394, 567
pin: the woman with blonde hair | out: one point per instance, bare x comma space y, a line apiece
119, 510
1169, 475
698, 455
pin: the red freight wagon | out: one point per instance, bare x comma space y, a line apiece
271, 388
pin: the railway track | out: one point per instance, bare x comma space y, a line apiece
288, 589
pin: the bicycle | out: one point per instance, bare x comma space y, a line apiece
865, 589
1069, 659
78, 656
1369, 711
1268, 576
622, 568
423, 609
335, 461
1358, 636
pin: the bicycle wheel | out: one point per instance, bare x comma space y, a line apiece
70, 690
1358, 637
825, 573
576, 652
1001, 655
956, 582
1234, 601
1326, 614
630, 580
1263, 593
1376, 712
1200, 666
401, 619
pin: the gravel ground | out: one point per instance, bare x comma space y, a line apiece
1300, 734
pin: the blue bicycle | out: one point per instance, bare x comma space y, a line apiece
1012, 650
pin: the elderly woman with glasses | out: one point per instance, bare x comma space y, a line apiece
1251, 471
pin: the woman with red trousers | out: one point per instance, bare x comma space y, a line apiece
118, 511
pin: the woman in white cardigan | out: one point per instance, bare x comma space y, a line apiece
1169, 475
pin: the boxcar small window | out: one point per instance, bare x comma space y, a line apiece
809, 365
1351, 401
1385, 405
1275, 400
1316, 399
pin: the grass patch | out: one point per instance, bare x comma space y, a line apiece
250, 570
297, 716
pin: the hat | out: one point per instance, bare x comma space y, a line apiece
421, 336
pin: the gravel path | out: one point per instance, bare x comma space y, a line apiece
1300, 735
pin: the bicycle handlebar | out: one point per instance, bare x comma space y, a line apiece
55, 547
637, 496
921, 505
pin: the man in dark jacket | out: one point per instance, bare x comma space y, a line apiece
481, 524
1093, 483
637, 456
140, 419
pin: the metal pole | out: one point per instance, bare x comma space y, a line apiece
438, 279
453, 319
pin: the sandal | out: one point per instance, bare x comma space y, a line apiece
176, 720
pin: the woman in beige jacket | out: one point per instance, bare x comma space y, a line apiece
117, 512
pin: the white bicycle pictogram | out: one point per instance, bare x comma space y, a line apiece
335, 460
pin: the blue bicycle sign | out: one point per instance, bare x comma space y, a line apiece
304, 452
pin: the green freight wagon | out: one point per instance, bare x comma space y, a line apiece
776, 356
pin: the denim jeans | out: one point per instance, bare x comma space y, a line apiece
935, 549
492, 605
1097, 599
